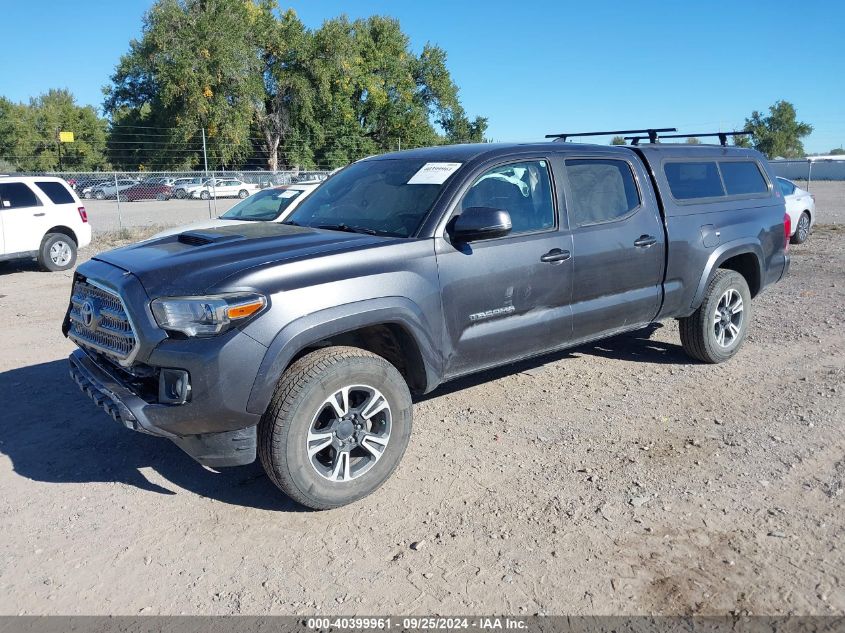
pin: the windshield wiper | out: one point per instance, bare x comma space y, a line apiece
355, 229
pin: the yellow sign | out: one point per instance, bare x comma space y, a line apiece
66, 137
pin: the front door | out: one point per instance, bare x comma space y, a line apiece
619, 246
507, 298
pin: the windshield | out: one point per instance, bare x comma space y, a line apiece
385, 197
264, 205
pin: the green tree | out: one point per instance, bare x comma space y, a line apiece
777, 134
617, 140
195, 67
266, 88
837, 151
29, 134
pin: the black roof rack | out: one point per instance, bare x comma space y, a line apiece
651, 132
723, 136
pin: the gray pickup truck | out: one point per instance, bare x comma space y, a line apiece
303, 342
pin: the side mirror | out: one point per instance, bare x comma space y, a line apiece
480, 223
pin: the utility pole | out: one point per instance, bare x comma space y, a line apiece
205, 160
59, 146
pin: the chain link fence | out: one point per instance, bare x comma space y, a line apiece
124, 199
809, 170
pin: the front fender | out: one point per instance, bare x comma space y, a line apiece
721, 254
323, 324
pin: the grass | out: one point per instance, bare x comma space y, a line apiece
108, 240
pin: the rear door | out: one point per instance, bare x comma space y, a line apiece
60, 204
618, 244
24, 218
507, 298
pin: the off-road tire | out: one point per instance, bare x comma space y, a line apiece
59, 241
796, 237
284, 427
697, 331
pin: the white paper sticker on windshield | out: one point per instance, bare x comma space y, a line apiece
289, 193
433, 173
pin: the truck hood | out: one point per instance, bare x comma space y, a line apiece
195, 261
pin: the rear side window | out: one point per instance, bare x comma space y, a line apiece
690, 180
56, 191
786, 187
742, 177
602, 189
16, 194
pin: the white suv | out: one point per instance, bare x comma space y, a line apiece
41, 217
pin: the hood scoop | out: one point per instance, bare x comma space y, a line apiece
202, 238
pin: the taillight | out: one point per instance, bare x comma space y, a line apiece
787, 230
83, 214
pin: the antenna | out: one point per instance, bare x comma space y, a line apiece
652, 133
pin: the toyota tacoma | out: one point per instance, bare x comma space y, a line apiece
303, 343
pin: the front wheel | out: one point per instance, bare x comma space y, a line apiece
57, 253
336, 428
205, 195
802, 229
100, 195
716, 331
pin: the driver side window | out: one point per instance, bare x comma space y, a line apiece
522, 189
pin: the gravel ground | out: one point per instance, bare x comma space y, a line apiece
104, 216
617, 478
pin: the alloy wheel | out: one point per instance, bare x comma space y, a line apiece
349, 433
727, 320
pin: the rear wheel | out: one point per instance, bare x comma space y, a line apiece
205, 195
802, 229
58, 252
716, 331
337, 427
243, 193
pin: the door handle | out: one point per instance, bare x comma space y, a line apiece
38, 215
555, 255
644, 241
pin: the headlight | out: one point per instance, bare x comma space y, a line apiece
206, 316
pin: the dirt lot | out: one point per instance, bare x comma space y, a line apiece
617, 478
105, 216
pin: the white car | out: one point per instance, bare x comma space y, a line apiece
111, 189
801, 208
268, 205
222, 188
180, 185
41, 217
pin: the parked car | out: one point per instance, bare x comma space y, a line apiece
222, 188
180, 185
110, 189
303, 341
43, 218
267, 205
148, 190
86, 188
801, 207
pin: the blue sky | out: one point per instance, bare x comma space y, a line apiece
531, 67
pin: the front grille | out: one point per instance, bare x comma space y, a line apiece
98, 321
